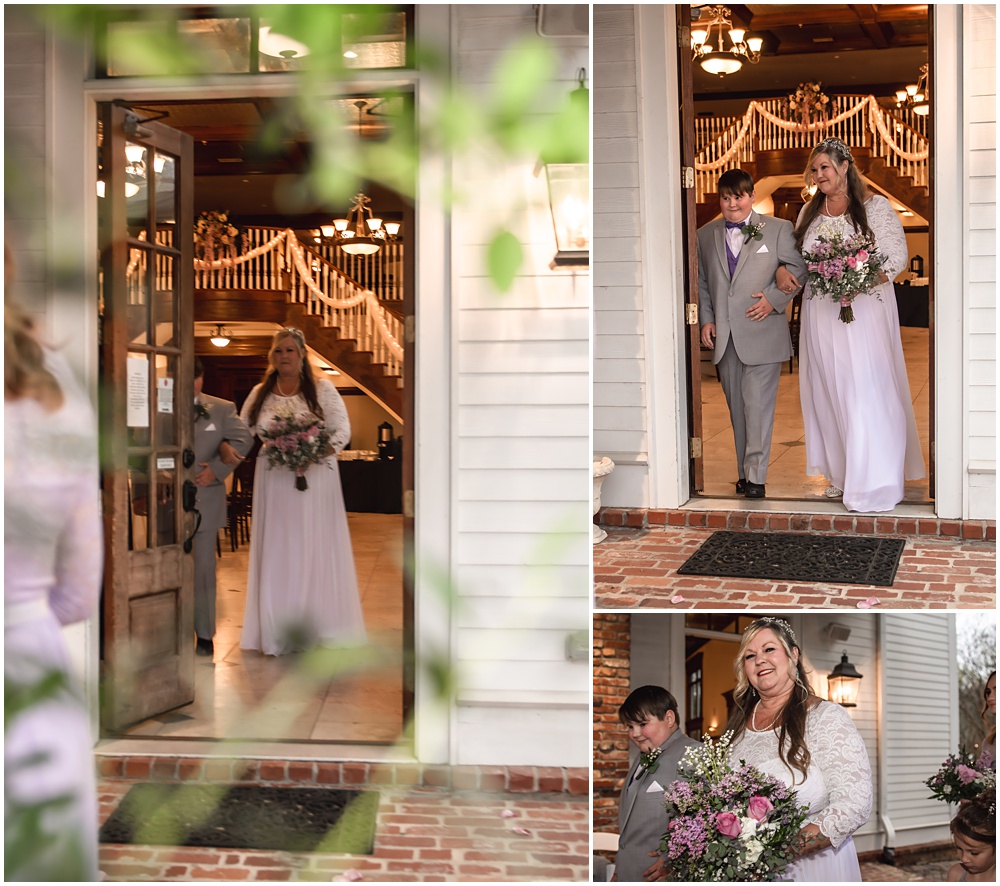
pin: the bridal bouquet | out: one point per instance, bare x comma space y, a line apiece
729, 823
842, 268
960, 778
295, 442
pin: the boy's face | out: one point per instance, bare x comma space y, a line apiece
735, 207
650, 732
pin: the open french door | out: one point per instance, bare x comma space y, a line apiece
147, 348
690, 230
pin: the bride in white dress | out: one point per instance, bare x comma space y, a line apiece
856, 405
302, 589
811, 745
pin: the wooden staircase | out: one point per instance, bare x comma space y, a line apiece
284, 301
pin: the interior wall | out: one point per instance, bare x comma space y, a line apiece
366, 415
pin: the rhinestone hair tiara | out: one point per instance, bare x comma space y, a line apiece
841, 146
773, 622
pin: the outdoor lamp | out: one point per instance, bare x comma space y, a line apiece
569, 202
845, 684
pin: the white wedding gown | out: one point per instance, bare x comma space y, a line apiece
856, 405
837, 788
302, 588
53, 551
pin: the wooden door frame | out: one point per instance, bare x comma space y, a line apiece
103, 91
166, 597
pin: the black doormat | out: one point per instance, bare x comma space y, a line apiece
245, 817
790, 556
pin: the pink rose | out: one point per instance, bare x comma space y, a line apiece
852, 262
965, 774
759, 807
728, 824
862, 255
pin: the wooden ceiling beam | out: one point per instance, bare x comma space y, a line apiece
821, 15
878, 32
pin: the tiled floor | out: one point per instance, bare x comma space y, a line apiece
786, 475
241, 694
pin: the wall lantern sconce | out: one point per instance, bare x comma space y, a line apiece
569, 200
721, 61
845, 684
221, 336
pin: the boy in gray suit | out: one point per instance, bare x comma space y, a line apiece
650, 715
221, 439
743, 317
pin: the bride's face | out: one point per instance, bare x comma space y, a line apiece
829, 177
991, 694
768, 667
286, 357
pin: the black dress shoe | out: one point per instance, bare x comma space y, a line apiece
755, 490
741, 486
205, 647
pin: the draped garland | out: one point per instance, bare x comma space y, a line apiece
295, 255
875, 121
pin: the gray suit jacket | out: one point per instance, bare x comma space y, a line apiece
724, 301
223, 423
642, 818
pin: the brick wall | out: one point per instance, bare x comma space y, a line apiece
612, 640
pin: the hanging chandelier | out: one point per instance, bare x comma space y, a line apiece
362, 232
719, 60
916, 96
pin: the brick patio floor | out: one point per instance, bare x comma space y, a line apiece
636, 568
422, 834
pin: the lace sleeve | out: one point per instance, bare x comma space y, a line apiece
247, 405
334, 412
839, 751
889, 235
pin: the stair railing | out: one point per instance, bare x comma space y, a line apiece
860, 123
274, 259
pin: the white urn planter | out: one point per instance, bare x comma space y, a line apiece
601, 470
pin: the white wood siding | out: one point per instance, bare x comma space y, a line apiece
981, 236
521, 500
919, 720
620, 396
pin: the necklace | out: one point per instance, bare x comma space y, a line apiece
295, 390
829, 214
753, 720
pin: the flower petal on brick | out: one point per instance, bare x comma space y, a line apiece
524, 832
350, 876
677, 598
867, 604
507, 813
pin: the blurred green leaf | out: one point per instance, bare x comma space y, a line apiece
503, 259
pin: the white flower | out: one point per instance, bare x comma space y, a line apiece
754, 850
749, 828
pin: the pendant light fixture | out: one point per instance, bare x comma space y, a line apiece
719, 60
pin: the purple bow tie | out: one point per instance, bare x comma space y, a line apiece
734, 224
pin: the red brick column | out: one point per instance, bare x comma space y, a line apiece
612, 641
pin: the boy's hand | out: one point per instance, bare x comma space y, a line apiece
761, 310
708, 335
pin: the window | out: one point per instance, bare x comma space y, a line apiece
190, 40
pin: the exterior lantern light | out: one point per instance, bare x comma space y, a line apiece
845, 684
569, 200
